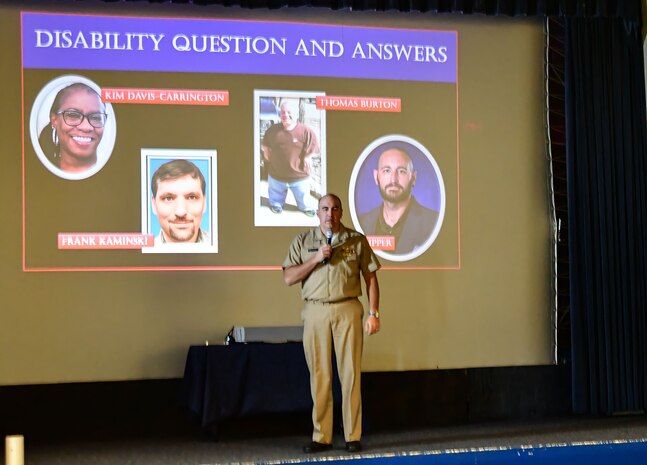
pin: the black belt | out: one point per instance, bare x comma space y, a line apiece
330, 303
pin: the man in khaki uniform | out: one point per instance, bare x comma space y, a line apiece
328, 261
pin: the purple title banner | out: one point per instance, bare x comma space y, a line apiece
57, 41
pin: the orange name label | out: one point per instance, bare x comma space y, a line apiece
381, 242
166, 96
346, 103
105, 240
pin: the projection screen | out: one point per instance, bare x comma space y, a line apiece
105, 269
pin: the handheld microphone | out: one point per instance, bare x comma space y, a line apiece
328, 241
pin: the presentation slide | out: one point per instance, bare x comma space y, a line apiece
160, 159
196, 143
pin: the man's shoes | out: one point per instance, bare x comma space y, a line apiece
315, 447
276, 209
310, 213
353, 446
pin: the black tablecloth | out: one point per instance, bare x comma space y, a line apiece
221, 381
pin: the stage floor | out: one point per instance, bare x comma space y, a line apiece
269, 444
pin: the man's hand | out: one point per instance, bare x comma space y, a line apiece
297, 273
372, 325
325, 252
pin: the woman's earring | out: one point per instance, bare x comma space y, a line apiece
54, 136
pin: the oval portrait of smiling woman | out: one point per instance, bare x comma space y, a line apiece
72, 129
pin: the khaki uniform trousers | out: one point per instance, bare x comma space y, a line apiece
338, 325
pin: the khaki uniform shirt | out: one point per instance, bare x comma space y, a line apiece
339, 279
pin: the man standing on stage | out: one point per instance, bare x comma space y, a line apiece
328, 261
286, 148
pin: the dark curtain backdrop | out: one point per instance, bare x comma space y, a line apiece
607, 204
605, 8
606, 175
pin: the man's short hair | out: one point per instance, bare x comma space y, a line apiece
403, 152
292, 104
176, 169
331, 195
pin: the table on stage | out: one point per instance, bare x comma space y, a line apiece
226, 381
